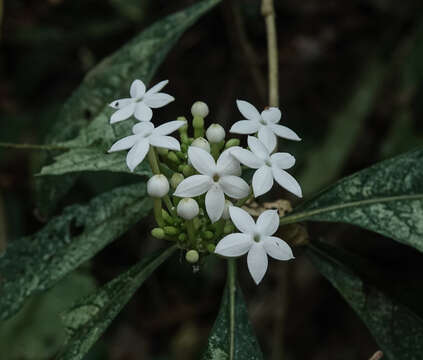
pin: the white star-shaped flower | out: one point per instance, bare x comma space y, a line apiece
256, 239
266, 124
141, 102
268, 167
216, 179
144, 135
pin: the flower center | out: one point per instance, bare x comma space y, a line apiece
262, 121
268, 163
216, 177
256, 238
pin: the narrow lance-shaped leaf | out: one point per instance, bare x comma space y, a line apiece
87, 320
232, 336
37, 262
88, 107
396, 327
386, 198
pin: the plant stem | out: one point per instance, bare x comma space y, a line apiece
190, 231
32, 146
152, 159
158, 212
232, 292
268, 12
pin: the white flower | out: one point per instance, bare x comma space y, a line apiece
157, 186
141, 102
268, 167
215, 179
144, 135
256, 239
266, 124
215, 133
188, 209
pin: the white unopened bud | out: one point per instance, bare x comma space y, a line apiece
201, 143
188, 209
199, 108
158, 186
225, 214
215, 133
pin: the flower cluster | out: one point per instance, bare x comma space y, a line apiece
199, 179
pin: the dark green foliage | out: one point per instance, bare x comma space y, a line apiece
397, 329
37, 262
386, 198
87, 320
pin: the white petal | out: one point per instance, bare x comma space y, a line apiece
169, 127
121, 103
247, 158
137, 154
202, 161
268, 222
167, 142
234, 186
284, 132
242, 220
267, 137
125, 143
215, 203
156, 88
262, 180
123, 114
287, 181
227, 164
158, 100
234, 245
257, 262
282, 160
258, 148
193, 186
248, 110
144, 128
271, 115
137, 89
143, 112
245, 127
277, 248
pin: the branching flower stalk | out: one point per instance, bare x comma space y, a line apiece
200, 176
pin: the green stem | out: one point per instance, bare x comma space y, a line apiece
152, 159
231, 283
191, 231
158, 212
32, 146
169, 205
241, 202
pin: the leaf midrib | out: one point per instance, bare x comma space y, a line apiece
306, 214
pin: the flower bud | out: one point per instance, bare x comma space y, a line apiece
188, 209
232, 142
171, 230
215, 133
200, 108
192, 256
211, 248
188, 170
158, 186
162, 151
158, 233
225, 214
176, 179
202, 144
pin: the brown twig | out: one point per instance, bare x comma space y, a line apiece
268, 12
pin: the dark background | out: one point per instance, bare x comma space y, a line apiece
350, 86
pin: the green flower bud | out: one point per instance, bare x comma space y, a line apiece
232, 142
228, 228
192, 256
171, 230
208, 235
166, 217
162, 151
182, 237
188, 170
158, 233
176, 179
211, 248
173, 157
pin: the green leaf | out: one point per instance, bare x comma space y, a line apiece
36, 332
89, 318
88, 109
386, 198
232, 336
37, 262
396, 327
